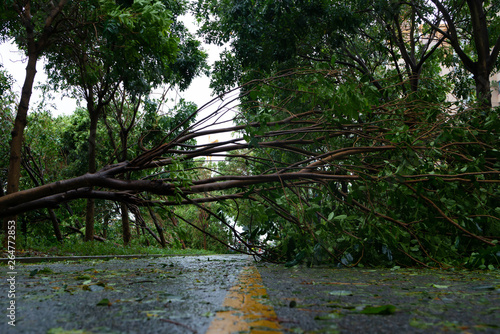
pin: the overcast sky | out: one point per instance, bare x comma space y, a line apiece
14, 62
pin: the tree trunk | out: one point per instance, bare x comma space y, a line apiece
483, 88
89, 219
18, 131
159, 228
125, 225
482, 44
204, 228
55, 225
486, 58
105, 226
138, 229
37, 181
34, 47
175, 223
127, 235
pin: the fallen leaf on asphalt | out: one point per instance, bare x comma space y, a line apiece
208, 314
154, 313
417, 323
46, 271
329, 316
104, 302
340, 293
95, 288
379, 310
484, 287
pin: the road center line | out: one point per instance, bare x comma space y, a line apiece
244, 308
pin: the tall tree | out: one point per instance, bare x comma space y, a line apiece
7, 107
369, 38
123, 113
326, 164
34, 29
424, 195
472, 28
133, 45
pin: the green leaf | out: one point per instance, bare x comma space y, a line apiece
208, 314
46, 271
95, 287
329, 316
379, 310
333, 60
417, 323
340, 293
104, 302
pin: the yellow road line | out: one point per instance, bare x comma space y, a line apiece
245, 311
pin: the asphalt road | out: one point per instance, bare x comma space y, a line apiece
232, 294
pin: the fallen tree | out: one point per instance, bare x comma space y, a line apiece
310, 180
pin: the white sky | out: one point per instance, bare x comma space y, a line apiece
14, 62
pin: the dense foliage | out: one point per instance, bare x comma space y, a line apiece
372, 74
356, 140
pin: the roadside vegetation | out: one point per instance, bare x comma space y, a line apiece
81, 248
362, 133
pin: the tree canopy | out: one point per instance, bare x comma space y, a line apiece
346, 147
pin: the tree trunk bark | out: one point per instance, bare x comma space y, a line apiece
105, 226
486, 58
34, 47
482, 43
138, 229
55, 225
125, 225
89, 219
17, 133
127, 235
159, 228
37, 181
483, 88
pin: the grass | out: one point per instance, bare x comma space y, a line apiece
81, 248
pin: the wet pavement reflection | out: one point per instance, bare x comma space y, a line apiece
228, 294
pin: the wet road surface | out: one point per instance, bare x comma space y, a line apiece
232, 294
367, 300
147, 295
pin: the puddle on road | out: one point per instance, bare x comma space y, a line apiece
246, 311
